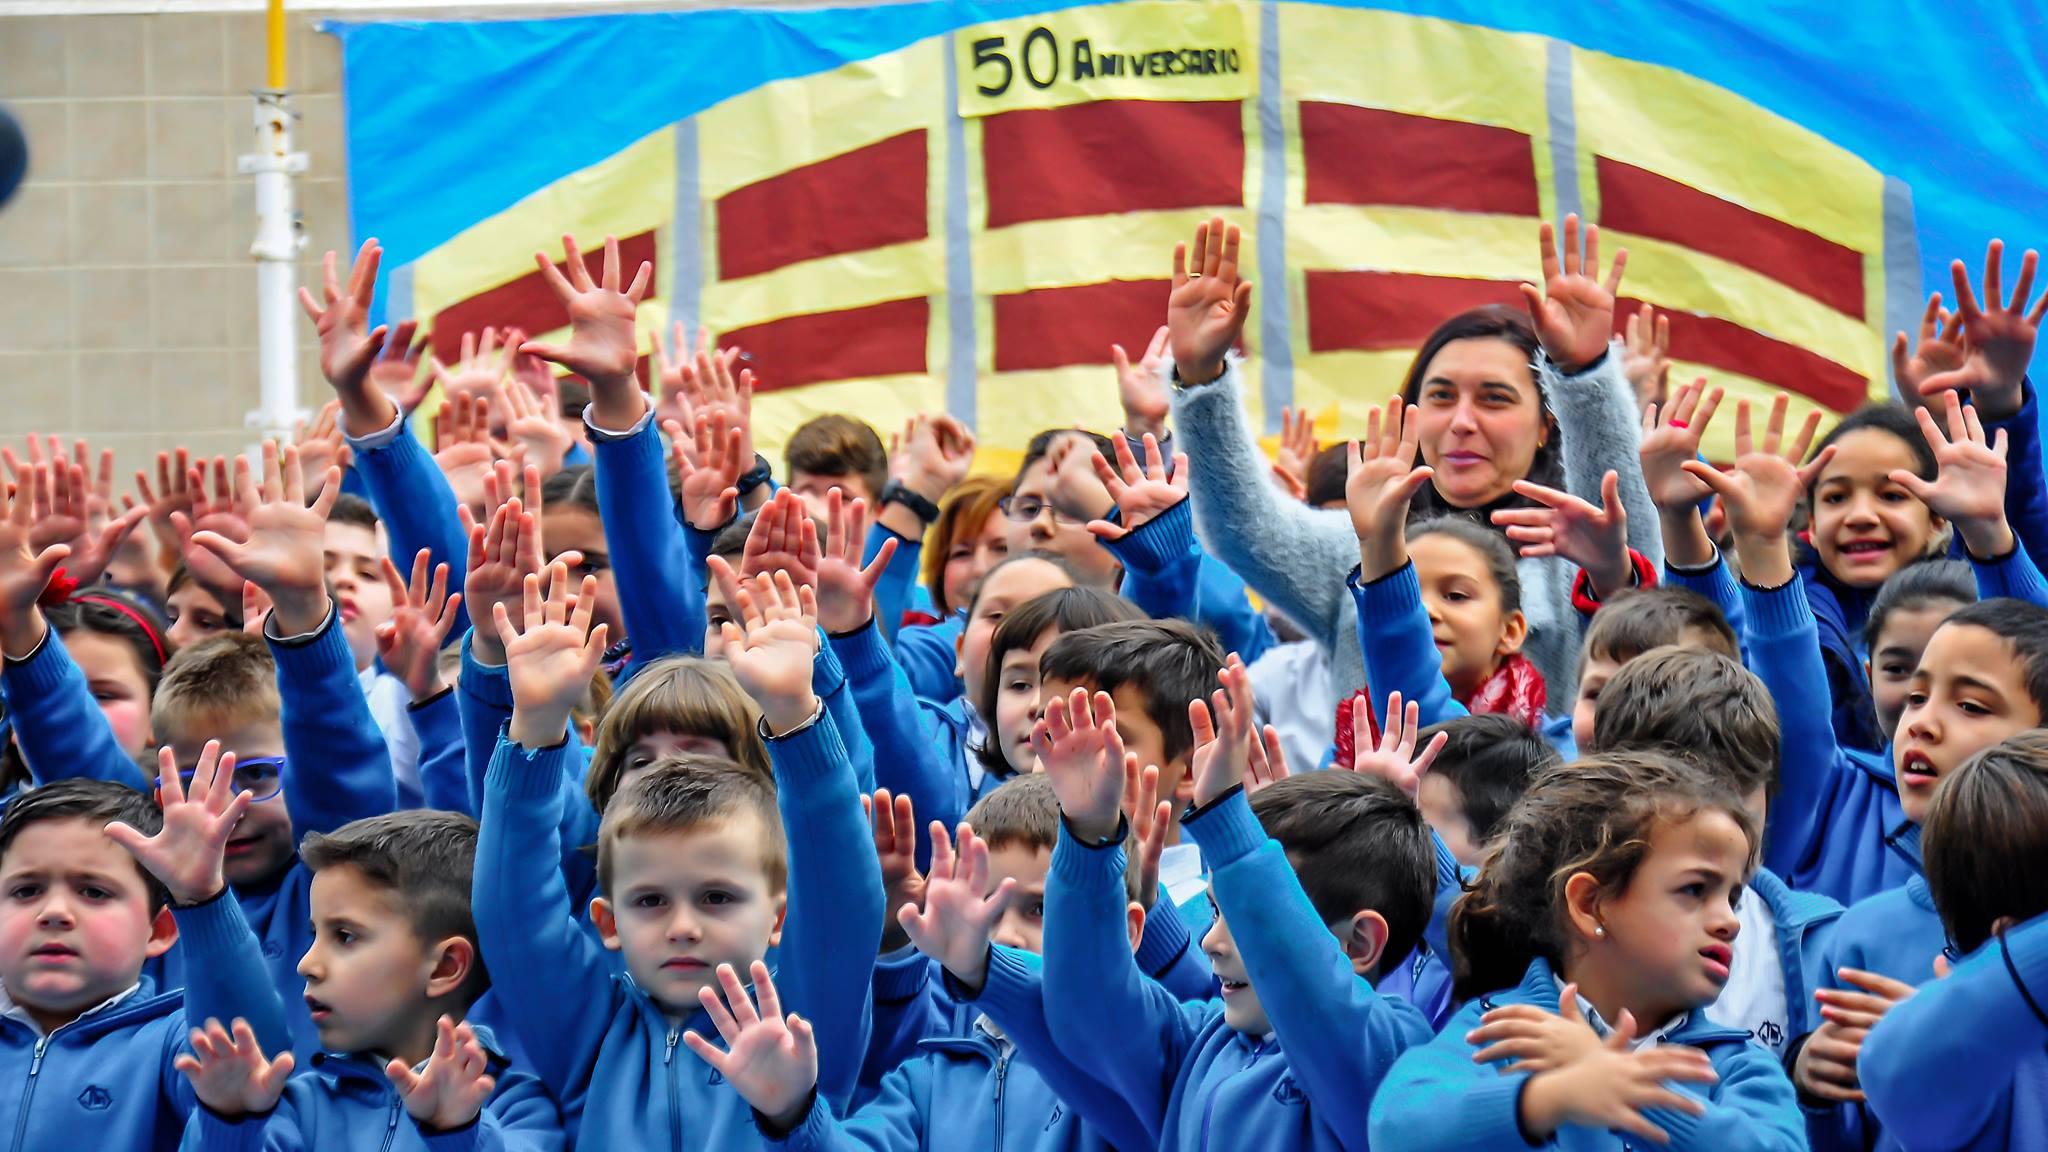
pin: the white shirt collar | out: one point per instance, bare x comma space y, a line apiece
14, 1011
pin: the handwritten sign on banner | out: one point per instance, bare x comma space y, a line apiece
1136, 51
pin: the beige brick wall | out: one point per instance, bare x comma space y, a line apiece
127, 296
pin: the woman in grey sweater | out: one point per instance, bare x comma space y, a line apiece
1492, 414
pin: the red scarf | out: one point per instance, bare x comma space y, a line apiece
1515, 689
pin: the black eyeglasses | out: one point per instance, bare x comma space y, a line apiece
260, 776
1025, 509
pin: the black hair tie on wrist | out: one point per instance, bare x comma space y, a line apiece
2013, 969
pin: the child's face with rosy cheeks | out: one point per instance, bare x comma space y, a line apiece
1473, 631
1969, 692
684, 902
1865, 527
75, 921
118, 686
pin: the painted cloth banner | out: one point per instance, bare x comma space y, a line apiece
962, 206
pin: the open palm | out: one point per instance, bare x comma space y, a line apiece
348, 345
1574, 311
603, 346
1205, 312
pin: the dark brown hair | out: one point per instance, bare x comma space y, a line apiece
1639, 619
1694, 703
1168, 663
1491, 322
1985, 836
96, 802
425, 860
1065, 609
835, 445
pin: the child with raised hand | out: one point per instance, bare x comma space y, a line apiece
1958, 1064
393, 969
691, 873
98, 881
1598, 932
1438, 602
1292, 967
409, 647
927, 460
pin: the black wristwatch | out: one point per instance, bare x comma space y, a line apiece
897, 492
756, 476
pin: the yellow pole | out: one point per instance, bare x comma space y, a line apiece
276, 28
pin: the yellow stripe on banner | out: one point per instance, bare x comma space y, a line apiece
828, 284
884, 402
1350, 384
1700, 134
1136, 50
789, 123
1718, 443
1413, 64
1090, 249
1420, 240
1685, 280
1011, 407
624, 194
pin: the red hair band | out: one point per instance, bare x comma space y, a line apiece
141, 621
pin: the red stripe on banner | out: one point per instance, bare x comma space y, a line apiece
529, 304
1646, 204
1055, 327
1724, 344
886, 339
867, 198
1108, 156
1372, 311
1356, 155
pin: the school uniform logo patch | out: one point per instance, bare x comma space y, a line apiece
1288, 1092
1057, 1112
95, 1099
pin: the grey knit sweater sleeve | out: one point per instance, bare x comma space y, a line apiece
1295, 557
1603, 431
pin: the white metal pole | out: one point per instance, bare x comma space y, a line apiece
278, 240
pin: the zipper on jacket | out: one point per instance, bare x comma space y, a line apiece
1209, 1106
391, 1121
28, 1090
1002, 1071
675, 1117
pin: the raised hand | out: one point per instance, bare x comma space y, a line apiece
410, 642
1646, 355
225, 511
348, 345
396, 371
1151, 822
321, 446
1298, 449
1382, 478
1141, 495
1969, 490
77, 514
894, 820
503, 552
480, 368
186, 853
1141, 388
25, 571
1534, 1040
1393, 759
1076, 491
784, 538
770, 645
960, 911
668, 370
283, 554
710, 465
2001, 335
846, 588
1268, 762
1944, 347
228, 1071
1826, 1066
1671, 436
551, 657
770, 1059
603, 346
533, 426
172, 494
1079, 749
1595, 539
450, 1091
1612, 1086
1764, 489
930, 456
1223, 733
1574, 310
1206, 311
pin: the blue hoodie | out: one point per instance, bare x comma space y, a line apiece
1963, 1065
1895, 933
927, 655
105, 1080
62, 733
661, 603
346, 1103
920, 748
1437, 1098
1400, 651
1837, 814
1167, 574
1195, 1081
609, 1053
413, 499
897, 591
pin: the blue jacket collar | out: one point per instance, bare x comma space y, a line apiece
1905, 840
1539, 987
146, 1003
1794, 912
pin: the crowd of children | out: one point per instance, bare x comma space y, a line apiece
587, 780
